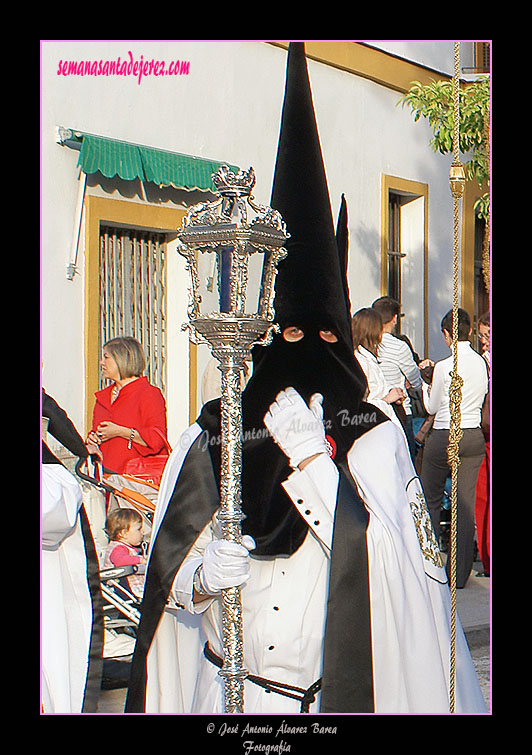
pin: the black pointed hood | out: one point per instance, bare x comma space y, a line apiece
311, 293
342, 242
310, 280
311, 290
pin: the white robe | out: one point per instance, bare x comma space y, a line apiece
66, 606
284, 601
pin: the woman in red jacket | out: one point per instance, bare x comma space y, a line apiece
129, 418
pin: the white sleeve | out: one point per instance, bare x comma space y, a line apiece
182, 589
60, 503
434, 395
313, 492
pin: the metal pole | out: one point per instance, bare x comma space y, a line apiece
457, 181
231, 333
230, 517
230, 340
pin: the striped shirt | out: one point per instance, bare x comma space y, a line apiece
398, 365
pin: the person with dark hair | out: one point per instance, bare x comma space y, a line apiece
367, 337
396, 358
129, 417
344, 609
464, 326
435, 466
388, 308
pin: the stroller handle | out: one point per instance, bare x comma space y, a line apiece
116, 572
93, 480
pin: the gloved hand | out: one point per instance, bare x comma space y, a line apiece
297, 428
225, 564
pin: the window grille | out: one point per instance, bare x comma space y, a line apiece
482, 57
395, 255
133, 293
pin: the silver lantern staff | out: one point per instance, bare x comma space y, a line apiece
239, 292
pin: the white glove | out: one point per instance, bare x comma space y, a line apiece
297, 428
225, 564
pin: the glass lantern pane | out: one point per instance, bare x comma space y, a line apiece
254, 286
208, 281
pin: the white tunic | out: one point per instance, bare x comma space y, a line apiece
284, 601
66, 600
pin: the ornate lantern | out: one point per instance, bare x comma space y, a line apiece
233, 264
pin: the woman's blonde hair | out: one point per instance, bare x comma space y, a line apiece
128, 355
120, 520
367, 329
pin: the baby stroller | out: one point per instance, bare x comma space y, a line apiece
121, 617
121, 605
110, 491
445, 517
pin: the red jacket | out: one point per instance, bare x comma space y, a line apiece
140, 406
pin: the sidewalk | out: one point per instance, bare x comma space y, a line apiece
473, 607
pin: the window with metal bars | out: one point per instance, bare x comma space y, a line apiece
133, 293
395, 254
479, 57
482, 57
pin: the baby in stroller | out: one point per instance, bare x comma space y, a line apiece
124, 529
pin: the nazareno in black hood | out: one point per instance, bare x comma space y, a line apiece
311, 293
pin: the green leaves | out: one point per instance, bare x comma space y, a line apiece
434, 101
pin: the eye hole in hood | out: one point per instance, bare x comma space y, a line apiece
293, 333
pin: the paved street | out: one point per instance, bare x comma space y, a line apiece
473, 606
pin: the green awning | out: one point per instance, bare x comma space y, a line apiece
131, 161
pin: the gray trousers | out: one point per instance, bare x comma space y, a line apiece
434, 472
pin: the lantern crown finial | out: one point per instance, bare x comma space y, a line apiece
229, 183
238, 278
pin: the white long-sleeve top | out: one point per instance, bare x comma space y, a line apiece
378, 387
377, 384
472, 370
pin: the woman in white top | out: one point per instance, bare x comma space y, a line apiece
367, 335
435, 467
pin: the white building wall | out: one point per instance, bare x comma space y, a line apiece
62, 308
228, 108
431, 53
365, 134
